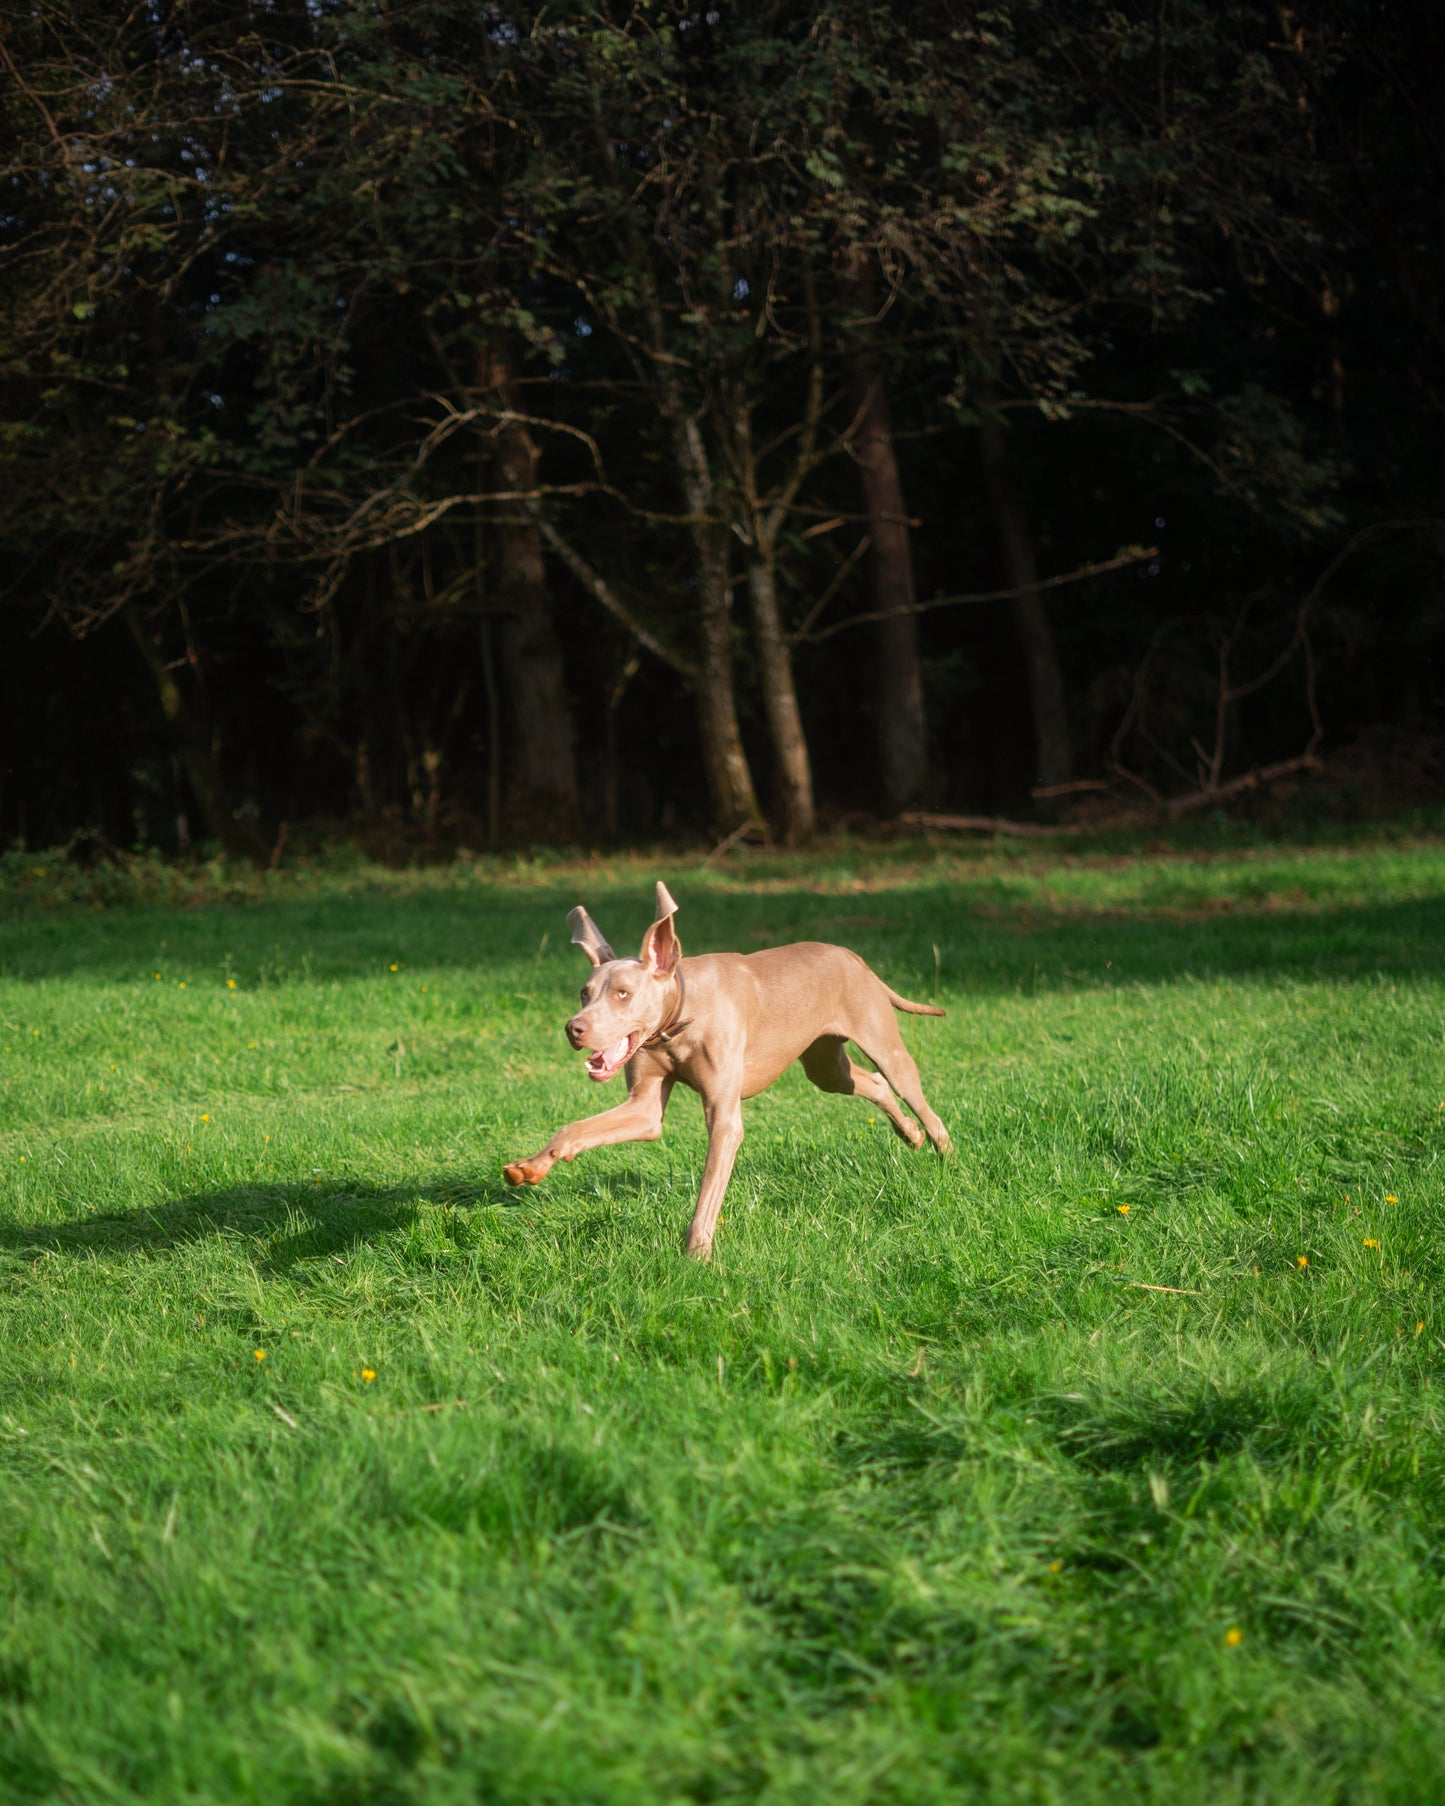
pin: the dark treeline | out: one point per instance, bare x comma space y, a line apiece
523, 423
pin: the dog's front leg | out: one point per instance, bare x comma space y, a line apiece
724, 1137
639, 1118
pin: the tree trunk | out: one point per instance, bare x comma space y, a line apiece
902, 723
541, 788
732, 797
1053, 758
780, 697
192, 740
730, 781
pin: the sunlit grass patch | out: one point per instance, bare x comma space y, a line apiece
1100, 1461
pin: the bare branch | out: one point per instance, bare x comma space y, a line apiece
1131, 555
834, 585
33, 98
593, 581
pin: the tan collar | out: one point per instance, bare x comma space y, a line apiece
674, 1021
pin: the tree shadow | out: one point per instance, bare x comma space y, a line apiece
285, 1224
991, 935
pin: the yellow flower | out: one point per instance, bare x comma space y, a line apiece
1418, 1328
1233, 1637
368, 1374
205, 1119
1123, 1210
393, 965
1302, 1260
260, 1354
230, 984
1370, 1242
1056, 1567
1390, 1198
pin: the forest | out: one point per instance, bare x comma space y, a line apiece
453, 424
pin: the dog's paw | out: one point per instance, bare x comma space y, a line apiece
525, 1172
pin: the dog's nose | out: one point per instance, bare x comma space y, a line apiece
576, 1029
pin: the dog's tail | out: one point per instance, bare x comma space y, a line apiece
913, 1009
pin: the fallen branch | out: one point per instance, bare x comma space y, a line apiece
1251, 780
999, 824
738, 834
1074, 788
1170, 808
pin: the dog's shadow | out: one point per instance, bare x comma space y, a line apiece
283, 1224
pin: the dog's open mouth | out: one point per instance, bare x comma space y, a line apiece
607, 1062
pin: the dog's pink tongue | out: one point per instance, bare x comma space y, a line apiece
610, 1058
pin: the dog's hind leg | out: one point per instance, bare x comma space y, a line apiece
827, 1064
883, 1044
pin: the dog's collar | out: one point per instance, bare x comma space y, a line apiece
674, 1021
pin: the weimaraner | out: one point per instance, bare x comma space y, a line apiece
727, 1024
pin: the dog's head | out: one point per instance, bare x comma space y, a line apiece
625, 1001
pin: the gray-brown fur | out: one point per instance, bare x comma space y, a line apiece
728, 1025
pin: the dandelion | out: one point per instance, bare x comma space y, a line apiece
1233, 1637
1056, 1567
1123, 1210
1302, 1260
1418, 1328
1370, 1242
205, 1119
368, 1374
182, 984
393, 966
1390, 1198
230, 984
260, 1354
250, 1044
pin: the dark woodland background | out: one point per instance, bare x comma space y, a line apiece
499, 424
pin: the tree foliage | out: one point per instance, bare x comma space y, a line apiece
326, 326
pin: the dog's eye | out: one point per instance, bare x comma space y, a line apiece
621, 994
584, 994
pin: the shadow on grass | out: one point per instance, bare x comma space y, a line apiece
285, 1224
994, 935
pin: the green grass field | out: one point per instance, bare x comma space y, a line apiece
1103, 1462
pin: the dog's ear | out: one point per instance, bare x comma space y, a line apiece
661, 949
588, 936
